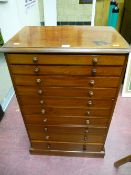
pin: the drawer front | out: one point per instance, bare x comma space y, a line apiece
54, 111
67, 92
40, 119
66, 70
65, 129
67, 81
66, 59
66, 146
66, 102
88, 138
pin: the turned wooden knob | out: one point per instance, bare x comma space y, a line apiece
40, 91
35, 60
37, 69
43, 111
45, 120
92, 82
41, 102
46, 129
86, 131
48, 146
38, 80
90, 102
87, 122
90, 93
94, 61
93, 72
47, 137
85, 138
88, 112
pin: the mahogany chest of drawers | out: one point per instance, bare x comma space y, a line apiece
67, 81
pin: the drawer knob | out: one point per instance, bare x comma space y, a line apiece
47, 137
48, 146
41, 102
45, 120
88, 112
90, 93
93, 72
90, 102
87, 122
36, 70
85, 138
92, 82
40, 91
86, 131
94, 61
46, 129
84, 147
38, 80
35, 60
43, 111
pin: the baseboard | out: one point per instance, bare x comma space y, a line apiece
61, 23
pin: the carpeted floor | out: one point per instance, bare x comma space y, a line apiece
16, 160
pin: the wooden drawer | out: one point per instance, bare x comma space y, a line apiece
40, 119
66, 70
79, 81
49, 129
66, 102
88, 138
66, 59
67, 92
56, 111
66, 146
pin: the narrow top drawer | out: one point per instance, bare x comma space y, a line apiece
66, 59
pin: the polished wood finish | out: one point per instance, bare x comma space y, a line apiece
66, 70
67, 94
63, 59
69, 129
72, 92
67, 146
64, 137
91, 138
67, 81
46, 39
67, 102
65, 111
67, 153
40, 119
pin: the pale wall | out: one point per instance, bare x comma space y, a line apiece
13, 16
71, 10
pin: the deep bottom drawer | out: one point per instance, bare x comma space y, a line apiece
67, 146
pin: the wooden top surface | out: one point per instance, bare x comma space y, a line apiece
66, 39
